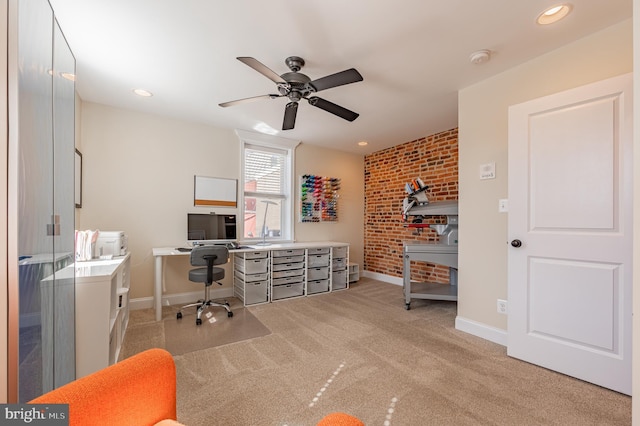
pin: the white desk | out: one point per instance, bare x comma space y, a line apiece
161, 253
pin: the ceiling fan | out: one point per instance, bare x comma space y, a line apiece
296, 86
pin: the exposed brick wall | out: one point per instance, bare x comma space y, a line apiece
434, 159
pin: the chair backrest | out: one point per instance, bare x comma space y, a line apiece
198, 254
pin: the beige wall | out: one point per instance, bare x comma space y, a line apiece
349, 168
483, 138
138, 174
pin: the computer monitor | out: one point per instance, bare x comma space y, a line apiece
210, 228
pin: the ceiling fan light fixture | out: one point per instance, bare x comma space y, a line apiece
554, 14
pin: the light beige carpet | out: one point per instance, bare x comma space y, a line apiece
361, 352
184, 336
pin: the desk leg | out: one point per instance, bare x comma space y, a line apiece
157, 291
406, 281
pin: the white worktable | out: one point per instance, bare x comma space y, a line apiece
160, 253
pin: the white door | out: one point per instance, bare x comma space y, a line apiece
570, 229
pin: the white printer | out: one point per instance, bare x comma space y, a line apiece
111, 243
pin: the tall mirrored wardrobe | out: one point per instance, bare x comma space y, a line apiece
41, 207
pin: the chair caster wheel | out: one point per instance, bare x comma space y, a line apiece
179, 315
198, 321
229, 314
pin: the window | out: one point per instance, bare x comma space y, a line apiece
267, 201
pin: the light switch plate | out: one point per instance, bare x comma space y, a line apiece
503, 205
488, 171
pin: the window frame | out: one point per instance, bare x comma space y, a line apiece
256, 140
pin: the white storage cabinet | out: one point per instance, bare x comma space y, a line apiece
318, 280
102, 312
288, 278
251, 277
339, 268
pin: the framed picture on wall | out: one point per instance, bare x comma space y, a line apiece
78, 179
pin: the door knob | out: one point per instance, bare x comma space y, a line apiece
516, 243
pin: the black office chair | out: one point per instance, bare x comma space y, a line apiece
207, 256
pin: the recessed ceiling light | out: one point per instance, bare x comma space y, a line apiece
554, 14
142, 92
363, 143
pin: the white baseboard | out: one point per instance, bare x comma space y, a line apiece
382, 277
483, 331
477, 329
179, 298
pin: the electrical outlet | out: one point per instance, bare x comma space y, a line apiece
502, 306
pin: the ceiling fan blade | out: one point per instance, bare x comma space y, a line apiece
338, 79
247, 100
333, 108
290, 112
261, 68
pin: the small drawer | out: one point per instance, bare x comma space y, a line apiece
288, 273
338, 264
287, 266
251, 255
319, 250
340, 251
289, 290
288, 259
317, 273
251, 277
319, 286
318, 260
285, 253
287, 280
250, 293
252, 266
339, 280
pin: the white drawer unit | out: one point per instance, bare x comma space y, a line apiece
288, 273
339, 280
288, 278
318, 273
288, 259
319, 250
251, 293
339, 268
318, 286
251, 277
286, 291
288, 266
251, 266
285, 253
340, 252
263, 276
318, 260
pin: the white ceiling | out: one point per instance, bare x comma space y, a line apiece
413, 55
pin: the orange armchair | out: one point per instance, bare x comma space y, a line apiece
140, 390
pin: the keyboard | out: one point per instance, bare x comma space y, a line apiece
183, 249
